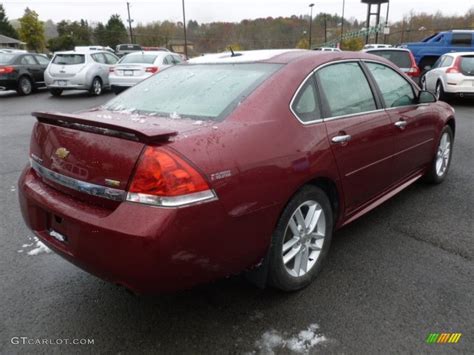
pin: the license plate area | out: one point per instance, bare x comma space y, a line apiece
128, 72
56, 228
62, 82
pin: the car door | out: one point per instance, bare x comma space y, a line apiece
102, 67
359, 130
43, 62
438, 72
32, 67
412, 124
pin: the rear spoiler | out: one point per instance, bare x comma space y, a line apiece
126, 128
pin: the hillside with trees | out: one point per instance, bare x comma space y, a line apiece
281, 32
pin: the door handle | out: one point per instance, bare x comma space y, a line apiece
341, 139
401, 124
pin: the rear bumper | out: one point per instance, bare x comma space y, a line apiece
459, 85
124, 81
8, 84
143, 248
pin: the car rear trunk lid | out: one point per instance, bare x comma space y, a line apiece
81, 154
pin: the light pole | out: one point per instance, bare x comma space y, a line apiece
130, 23
310, 23
342, 21
184, 27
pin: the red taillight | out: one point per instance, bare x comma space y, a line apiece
414, 71
151, 69
456, 68
163, 173
6, 70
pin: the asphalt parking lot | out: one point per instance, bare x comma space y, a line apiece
392, 277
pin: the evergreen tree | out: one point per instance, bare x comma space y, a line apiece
6, 28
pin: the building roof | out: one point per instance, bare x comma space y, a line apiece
9, 40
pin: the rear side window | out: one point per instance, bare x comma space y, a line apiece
111, 59
99, 58
28, 60
400, 58
198, 91
69, 59
462, 39
138, 58
305, 105
396, 91
467, 65
346, 89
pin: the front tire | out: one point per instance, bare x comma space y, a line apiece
442, 160
301, 240
439, 93
25, 86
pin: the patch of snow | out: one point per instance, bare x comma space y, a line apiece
38, 247
197, 123
12, 188
272, 341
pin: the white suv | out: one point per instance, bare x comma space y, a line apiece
72, 70
451, 75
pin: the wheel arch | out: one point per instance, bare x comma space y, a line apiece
452, 124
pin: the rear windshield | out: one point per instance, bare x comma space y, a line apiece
6, 58
69, 59
124, 47
400, 58
467, 65
198, 91
139, 58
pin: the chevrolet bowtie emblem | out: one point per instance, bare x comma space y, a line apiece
62, 153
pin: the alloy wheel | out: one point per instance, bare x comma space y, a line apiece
443, 154
97, 87
26, 86
304, 238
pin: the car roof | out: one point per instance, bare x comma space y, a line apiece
158, 53
82, 52
458, 54
395, 49
242, 56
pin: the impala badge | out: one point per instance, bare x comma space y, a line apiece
62, 153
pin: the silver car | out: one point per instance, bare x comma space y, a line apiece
138, 66
451, 75
71, 70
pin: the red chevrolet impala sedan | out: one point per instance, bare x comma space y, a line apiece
232, 162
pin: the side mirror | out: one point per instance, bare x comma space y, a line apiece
426, 97
427, 68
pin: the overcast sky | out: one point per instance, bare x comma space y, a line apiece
218, 10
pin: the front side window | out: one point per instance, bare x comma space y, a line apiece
305, 105
346, 89
111, 59
396, 91
198, 91
42, 60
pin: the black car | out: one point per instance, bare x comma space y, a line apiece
23, 72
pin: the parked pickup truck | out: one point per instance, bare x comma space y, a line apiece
428, 51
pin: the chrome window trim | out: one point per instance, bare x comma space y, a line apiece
122, 195
355, 60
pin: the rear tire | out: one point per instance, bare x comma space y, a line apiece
301, 240
25, 86
56, 92
96, 87
442, 160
